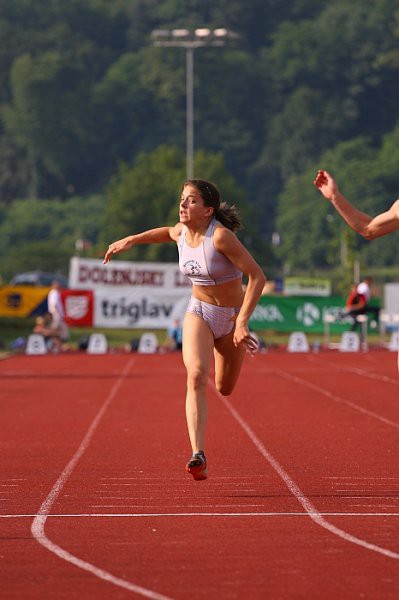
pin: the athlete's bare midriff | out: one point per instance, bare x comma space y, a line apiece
230, 293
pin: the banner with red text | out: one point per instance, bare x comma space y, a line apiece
92, 274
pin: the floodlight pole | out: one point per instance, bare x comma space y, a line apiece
190, 112
174, 39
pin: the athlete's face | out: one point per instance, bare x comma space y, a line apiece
192, 209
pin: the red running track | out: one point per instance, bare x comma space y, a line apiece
302, 499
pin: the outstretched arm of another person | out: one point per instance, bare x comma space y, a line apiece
228, 244
367, 226
152, 236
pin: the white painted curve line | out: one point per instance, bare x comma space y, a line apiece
335, 398
39, 521
311, 510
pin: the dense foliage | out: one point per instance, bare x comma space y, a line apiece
92, 123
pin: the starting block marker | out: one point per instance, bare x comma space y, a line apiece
97, 344
298, 342
350, 342
148, 344
35, 344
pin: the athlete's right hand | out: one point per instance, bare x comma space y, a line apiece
326, 184
243, 336
116, 247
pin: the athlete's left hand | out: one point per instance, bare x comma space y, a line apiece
243, 336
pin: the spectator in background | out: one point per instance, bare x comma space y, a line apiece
354, 305
56, 310
43, 326
353, 301
358, 303
364, 289
174, 336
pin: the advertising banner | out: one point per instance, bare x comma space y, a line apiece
131, 294
301, 313
79, 307
133, 308
23, 301
92, 274
307, 286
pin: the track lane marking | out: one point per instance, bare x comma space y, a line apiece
38, 524
335, 398
200, 514
356, 370
310, 509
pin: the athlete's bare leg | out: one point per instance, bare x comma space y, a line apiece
197, 353
228, 363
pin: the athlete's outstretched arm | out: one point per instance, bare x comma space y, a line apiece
369, 227
152, 236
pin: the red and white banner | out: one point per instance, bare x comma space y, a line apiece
92, 274
79, 307
127, 294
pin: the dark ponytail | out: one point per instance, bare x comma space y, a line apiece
227, 214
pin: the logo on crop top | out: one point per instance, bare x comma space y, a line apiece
192, 267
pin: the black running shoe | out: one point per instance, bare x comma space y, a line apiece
196, 466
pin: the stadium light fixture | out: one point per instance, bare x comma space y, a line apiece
190, 40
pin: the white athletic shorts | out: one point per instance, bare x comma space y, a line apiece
220, 319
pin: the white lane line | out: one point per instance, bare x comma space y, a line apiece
201, 514
356, 370
313, 513
183, 482
39, 521
138, 506
363, 478
392, 482
335, 398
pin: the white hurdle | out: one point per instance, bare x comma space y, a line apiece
363, 320
393, 344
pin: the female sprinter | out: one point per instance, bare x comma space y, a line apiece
368, 227
216, 321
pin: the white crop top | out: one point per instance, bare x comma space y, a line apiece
204, 265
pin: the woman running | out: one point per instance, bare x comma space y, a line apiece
216, 320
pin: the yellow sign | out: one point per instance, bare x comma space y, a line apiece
22, 301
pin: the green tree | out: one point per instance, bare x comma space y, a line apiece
313, 234
57, 51
41, 234
143, 197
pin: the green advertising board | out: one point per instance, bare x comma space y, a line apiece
300, 313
